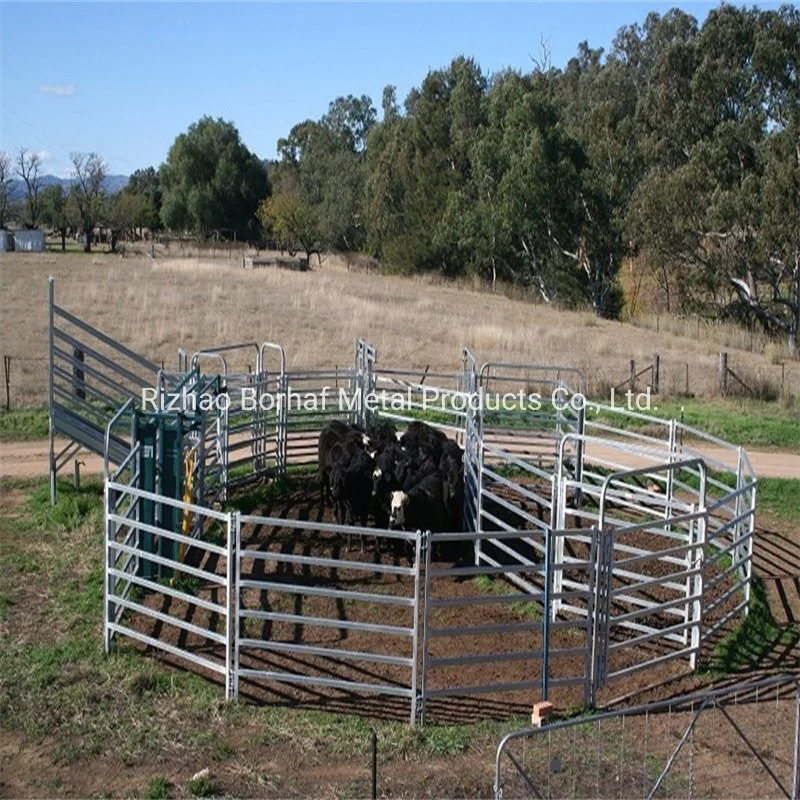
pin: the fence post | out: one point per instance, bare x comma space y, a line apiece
7, 372
633, 375
233, 632
656, 376
51, 393
108, 560
723, 373
697, 590
417, 701
796, 759
420, 711
673, 456
548, 599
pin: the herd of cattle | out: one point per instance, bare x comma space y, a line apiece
410, 481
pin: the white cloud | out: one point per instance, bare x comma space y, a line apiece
62, 90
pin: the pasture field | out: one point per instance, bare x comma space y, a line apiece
156, 306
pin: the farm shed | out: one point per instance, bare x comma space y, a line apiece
30, 241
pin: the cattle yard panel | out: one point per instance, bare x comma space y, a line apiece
529, 408
550, 653
400, 399
187, 613
313, 398
90, 376
362, 611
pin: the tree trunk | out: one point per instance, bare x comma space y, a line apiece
87, 245
63, 240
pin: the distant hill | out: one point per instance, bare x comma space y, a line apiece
112, 184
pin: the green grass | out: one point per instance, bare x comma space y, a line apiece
24, 424
157, 788
781, 497
201, 786
739, 421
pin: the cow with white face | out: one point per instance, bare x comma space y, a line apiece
420, 507
396, 512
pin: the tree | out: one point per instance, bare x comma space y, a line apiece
211, 182
768, 285
146, 184
292, 222
27, 167
323, 163
86, 193
417, 161
53, 202
5, 186
123, 213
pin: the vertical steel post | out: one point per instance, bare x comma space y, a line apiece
697, 590
107, 560
425, 625
51, 394
796, 754
736, 533
418, 556
548, 579
283, 423
591, 584
673, 455
237, 602
222, 443
558, 548
479, 499
751, 529
232, 556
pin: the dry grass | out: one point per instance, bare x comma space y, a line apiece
157, 306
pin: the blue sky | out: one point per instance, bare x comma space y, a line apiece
124, 79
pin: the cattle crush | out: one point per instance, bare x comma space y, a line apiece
601, 548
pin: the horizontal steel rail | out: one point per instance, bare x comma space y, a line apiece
112, 343
320, 591
158, 644
325, 652
326, 622
332, 683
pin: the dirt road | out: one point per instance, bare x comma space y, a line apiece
29, 459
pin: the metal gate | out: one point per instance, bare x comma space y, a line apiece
518, 639
739, 741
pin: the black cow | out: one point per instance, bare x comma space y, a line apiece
421, 507
381, 436
333, 433
451, 466
422, 438
350, 482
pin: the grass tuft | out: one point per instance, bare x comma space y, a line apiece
202, 786
158, 788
